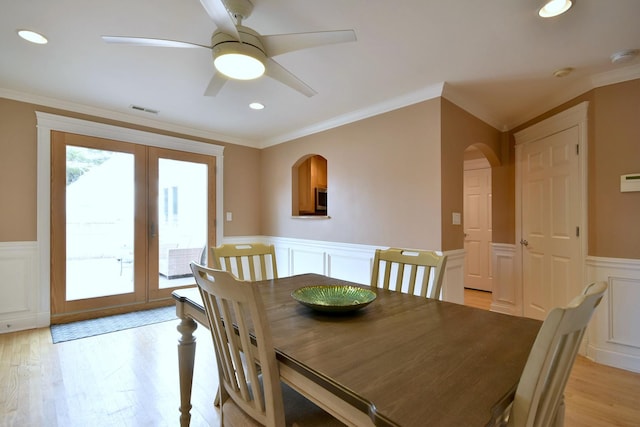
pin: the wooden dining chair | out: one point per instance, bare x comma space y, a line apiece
247, 261
250, 389
402, 269
539, 400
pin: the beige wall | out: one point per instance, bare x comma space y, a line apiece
18, 156
614, 150
383, 181
394, 179
459, 131
614, 216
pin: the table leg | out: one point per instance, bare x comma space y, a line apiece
186, 357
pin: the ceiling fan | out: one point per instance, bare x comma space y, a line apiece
240, 52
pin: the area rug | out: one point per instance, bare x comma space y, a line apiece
105, 325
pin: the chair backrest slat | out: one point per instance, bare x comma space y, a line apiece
409, 265
241, 259
242, 342
545, 375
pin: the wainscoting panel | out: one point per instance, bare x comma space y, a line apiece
624, 301
19, 308
304, 260
614, 334
506, 292
346, 261
352, 266
283, 259
340, 260
453, 281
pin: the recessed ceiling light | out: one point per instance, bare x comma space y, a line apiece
554, 8
32, 36
256, 106
562, 72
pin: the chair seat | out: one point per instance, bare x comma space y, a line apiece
298, 410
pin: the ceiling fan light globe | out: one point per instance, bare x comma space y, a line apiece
239, 66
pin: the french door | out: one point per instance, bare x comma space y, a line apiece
126, 221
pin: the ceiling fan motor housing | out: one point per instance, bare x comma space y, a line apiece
248, 37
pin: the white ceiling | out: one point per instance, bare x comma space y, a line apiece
494, 58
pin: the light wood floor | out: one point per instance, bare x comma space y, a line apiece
596, 395
129, 378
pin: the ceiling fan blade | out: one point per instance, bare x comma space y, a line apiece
144, 41
278, 72
278, 44
216, 83
220, 16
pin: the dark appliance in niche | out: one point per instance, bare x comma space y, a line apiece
321, 200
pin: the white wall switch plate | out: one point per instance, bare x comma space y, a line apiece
456, 218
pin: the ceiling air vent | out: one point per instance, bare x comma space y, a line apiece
143, 109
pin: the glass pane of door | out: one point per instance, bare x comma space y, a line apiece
99, 223
182, 219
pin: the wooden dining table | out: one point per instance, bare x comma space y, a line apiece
403, 360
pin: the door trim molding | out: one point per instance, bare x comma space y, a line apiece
47, 122
574, 116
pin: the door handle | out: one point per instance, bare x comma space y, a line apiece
524, 242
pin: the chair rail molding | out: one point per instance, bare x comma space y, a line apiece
20, 298
346, 261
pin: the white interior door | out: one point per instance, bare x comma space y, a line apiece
551, 191
477, 228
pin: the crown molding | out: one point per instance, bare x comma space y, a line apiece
122, 117
446, 90
472, 106
578, 88
618, 75
424, 94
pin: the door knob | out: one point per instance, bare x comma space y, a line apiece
524, 242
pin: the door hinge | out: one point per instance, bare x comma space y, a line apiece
578, 149
577, 231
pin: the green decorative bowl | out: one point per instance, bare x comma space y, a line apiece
334, 298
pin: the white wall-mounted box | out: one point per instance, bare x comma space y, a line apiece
630, 182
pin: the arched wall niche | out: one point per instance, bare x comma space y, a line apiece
309, 186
